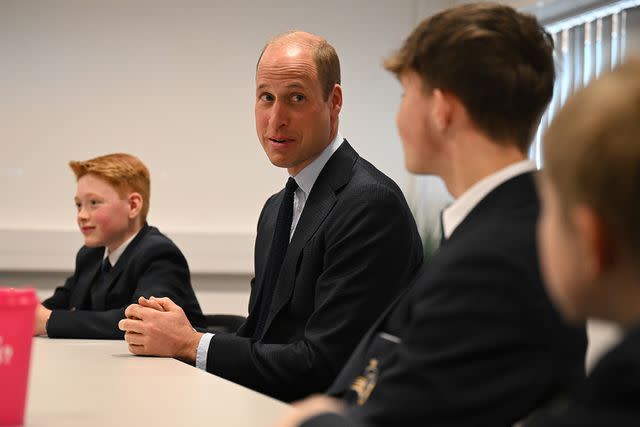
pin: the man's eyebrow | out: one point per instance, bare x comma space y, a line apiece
294, 85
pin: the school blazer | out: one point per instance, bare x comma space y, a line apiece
151, 265
354, 249
610, 395
475, 340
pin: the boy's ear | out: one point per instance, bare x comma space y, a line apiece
442, 110
597, 245
135, 202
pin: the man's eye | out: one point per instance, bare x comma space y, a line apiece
78, 205
94, 202
266, 97
297, 98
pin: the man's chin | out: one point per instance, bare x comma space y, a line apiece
280, 163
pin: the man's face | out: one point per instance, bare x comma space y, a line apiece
293, 121
415, 125
103, 216
559, 251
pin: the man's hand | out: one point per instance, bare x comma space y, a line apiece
314, 405
158, 327
151, 303
42, 315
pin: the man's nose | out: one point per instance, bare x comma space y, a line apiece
279, 115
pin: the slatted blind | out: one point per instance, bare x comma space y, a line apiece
586, 46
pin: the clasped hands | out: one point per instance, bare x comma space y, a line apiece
159, 327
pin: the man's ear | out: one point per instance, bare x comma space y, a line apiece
442, 110
135, 202
335, 98
596, 243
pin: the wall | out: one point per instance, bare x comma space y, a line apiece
172, 82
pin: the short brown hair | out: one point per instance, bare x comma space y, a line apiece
592, 151
126, 173
324, 56
497, 61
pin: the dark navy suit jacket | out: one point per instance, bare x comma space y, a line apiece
151, 265
610, 395
475, 340
354, 249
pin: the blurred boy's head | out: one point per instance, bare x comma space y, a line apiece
494, 61
112, 198
589, 230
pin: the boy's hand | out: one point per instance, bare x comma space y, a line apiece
42, 315
165, 331
302, 410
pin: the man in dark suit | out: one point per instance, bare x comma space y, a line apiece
332, 250
475, 340
123, 257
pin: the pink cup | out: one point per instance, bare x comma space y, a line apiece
17, 315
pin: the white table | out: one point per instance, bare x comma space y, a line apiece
99, 383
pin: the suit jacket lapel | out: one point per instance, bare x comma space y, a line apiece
110, 278
357, 361
335, 175
86, 278
511, 194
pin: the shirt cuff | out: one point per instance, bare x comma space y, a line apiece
203, 350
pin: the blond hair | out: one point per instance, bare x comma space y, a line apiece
126, 173
592, 152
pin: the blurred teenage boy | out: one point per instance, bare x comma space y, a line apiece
589, 235
123, 258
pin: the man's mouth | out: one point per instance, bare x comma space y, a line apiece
280, 140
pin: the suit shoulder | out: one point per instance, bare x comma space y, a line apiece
154, 239
367, 174
86, 254
369, 188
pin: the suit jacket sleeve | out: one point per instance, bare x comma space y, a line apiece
156, 268
61, 296
329, 420
369, 251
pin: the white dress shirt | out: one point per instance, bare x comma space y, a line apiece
455, 213
305, 179
114, 255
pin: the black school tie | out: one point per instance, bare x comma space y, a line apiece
443, 238
99, 287
278, 250
106, 266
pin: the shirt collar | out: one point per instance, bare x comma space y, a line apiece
115, 255
454, 214
308, 176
